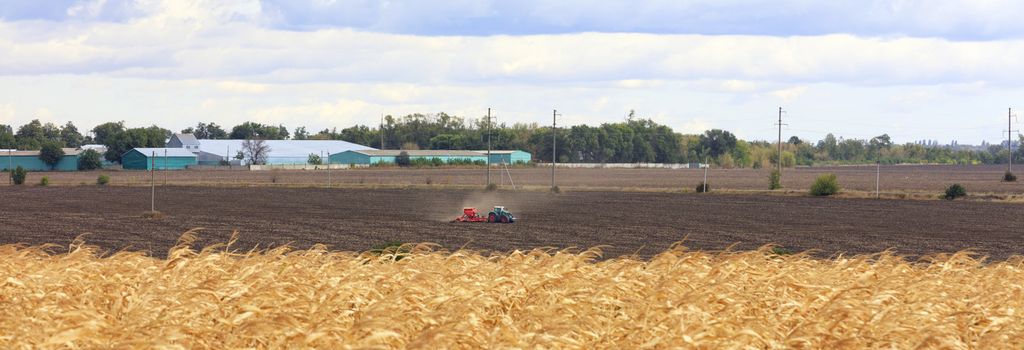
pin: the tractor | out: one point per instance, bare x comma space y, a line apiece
498, 215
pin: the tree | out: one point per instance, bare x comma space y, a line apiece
70, 136
301, 133
7, 140
51, 153
717, 142
255, 151
793, 140
204, 131
89, 160
30, 136
119, 141
101, 133
248, 130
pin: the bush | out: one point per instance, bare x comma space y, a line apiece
19, 175
703, 187
825, 185
555, 189
402, 159
1009, 177
774, 180
89, 160
314, 159
102, 180
493, 186
955, 191
45, 181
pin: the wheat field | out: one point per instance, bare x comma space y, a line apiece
422, 297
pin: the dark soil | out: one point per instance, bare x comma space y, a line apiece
626, 223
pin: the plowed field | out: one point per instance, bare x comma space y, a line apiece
626, 222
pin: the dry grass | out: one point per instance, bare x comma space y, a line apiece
217, 298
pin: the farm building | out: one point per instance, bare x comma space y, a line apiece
389, 156
509, 157
446, 156
165, 159
29, 160
186, 141
281, 152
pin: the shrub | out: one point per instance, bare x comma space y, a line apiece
702, 187
774, 180
314, 159
102, 180
825, 185
955, 191
89, 160
402, 159
19, 175
555, 189
45, 181
493, 186
1009, 177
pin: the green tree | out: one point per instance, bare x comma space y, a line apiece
51, 154
717, 142
31, 136
89, 160
70, 136
103, 132
7, 140
204, 131
300, 133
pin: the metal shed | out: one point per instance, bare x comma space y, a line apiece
389, 156
29, 160
509, 156
165, 159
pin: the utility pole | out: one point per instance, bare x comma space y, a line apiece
780, 143
328, 168
1009, 140
707, 165
488, 146
152, 183
382, 131
554, 141
878, 178
10, 166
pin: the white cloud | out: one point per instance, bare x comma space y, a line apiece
174, 63
7, 113
242, 87
789, 94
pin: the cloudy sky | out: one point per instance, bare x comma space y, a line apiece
916, 69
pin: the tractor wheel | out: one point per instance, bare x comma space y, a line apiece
491, 218
504, 219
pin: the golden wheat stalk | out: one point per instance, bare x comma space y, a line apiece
417, 296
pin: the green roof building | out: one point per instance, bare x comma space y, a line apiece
29, 160
158, 158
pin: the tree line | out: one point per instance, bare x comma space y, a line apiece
633, 140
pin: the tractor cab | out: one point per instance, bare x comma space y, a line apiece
499, 214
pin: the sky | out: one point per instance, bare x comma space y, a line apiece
937, 69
